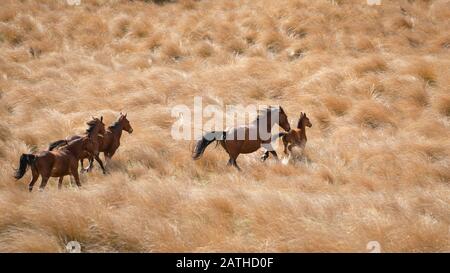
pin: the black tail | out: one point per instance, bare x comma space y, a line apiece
25, 161
57, 143
207, 139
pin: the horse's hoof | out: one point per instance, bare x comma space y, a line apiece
30, 189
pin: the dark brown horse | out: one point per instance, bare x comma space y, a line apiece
246, 139
110, 141
57, 163
95, 130
295, 137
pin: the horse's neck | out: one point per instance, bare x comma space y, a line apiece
116, 132
303, 131
93, 135
75, 147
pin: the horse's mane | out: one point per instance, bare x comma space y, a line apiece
91, 124
115, 125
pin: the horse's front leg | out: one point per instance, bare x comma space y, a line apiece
90, 166
274, 154
74, 172
269, 149
77, 177
60, 181
234, 163
82, 166
97, 158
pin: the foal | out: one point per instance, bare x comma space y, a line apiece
295, 137
109, 142
58, 163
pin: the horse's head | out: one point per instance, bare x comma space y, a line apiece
96, 125
303, 121
126, 126
283, 119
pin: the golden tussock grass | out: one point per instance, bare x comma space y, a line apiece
373, 114
373, 80
442, 104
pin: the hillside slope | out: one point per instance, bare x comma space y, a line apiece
375, 81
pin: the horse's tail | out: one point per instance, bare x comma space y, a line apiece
55, 144
207, 139
25, 161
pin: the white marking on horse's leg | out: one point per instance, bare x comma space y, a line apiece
285, 160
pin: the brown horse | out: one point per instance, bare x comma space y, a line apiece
95, 130
58, 163
295, 137
110, 141
246, 139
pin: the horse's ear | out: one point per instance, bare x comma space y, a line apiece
101, 118
125, 115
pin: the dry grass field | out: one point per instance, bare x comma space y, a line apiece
374, 80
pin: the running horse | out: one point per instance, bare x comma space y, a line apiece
96, 129
248, 138
58, 163
110, 141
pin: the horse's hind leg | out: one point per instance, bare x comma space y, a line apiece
34, 178
43, 182
60, 181
274, 154
230, 162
